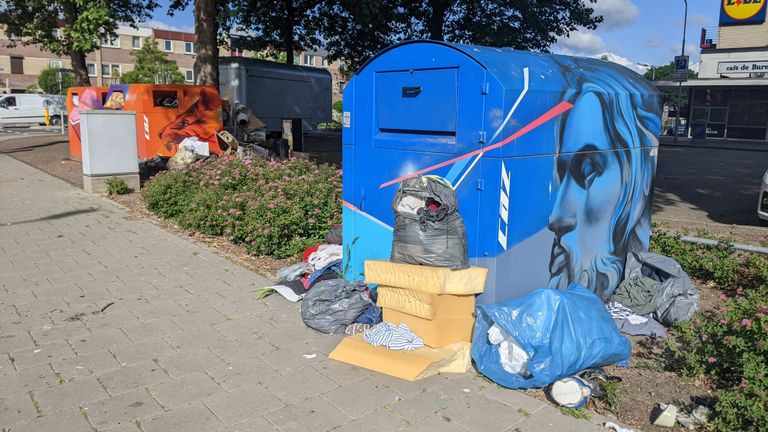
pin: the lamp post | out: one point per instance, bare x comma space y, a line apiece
680, 84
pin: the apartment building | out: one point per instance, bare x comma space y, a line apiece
21, 65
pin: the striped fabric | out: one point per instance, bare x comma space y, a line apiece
393, 337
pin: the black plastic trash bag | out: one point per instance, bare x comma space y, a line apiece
331, 305
562, 332
677, 298
428, 227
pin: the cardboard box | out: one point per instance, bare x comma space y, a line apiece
437, 332
434, 280
425, 305
407, 365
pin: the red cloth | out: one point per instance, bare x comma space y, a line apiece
309, 251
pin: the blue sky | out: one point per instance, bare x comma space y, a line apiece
645, 31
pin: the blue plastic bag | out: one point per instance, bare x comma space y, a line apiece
563, 332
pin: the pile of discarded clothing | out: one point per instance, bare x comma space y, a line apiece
656, 292
426, 292
319, 263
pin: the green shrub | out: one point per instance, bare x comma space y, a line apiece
730, 345
720, 264
116, 186
272, 208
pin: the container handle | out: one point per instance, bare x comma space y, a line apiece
411, 92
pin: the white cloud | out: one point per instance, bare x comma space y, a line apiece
690, 50
654, 42
580, 42
159, 25
697, 19
616, 13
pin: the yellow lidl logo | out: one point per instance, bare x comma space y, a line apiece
743, 9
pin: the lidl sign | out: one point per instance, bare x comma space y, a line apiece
736, 12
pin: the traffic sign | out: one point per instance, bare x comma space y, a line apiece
681, 69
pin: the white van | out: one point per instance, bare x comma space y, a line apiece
25, 108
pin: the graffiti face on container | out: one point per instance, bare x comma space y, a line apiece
199, 120
604, 170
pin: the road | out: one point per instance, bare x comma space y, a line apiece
710, 188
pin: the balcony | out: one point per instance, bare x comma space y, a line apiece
709, 37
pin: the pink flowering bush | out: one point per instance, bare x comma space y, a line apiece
730, 345
272, 208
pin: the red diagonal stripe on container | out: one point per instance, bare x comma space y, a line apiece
547, 116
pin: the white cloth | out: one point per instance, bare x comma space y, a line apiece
393, 337
513, 358
324, 255
619, 311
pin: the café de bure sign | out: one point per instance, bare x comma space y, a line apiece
742, 67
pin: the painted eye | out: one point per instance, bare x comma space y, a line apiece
584, 169
587, 168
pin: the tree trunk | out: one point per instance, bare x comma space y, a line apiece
437, 19
80, 69
286, 32
206, 32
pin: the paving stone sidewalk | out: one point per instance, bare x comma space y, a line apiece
109, 323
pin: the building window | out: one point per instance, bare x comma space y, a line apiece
136, 42
189, 47
309, 60
110, 41
189, 75
110, 70
168, 46
91, 69
56, 64
17, 65
325, 61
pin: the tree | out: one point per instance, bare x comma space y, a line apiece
152, 66
48, 83
70, 27
664, 73
212, 18
354, 30
278, 26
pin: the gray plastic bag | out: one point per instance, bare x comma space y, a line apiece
331, 305
677, 298
428, 228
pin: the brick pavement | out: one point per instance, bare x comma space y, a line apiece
184, 344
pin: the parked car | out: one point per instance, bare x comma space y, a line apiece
680, 131
30, 109
762, 201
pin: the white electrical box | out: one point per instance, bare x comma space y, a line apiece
109, 143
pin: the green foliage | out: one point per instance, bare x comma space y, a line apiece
116, 186
664, 73
611, 395
719, 264
354, 30
337, 106
277, 27
152, 66
579, 413
272, 208
47, 81
730, 343
81, 22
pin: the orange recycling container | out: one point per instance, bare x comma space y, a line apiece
166, 115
